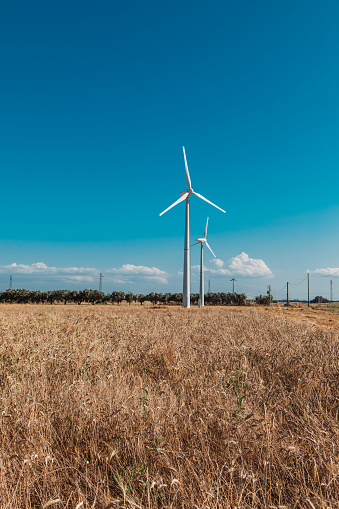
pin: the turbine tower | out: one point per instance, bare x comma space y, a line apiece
203, 241
185, 195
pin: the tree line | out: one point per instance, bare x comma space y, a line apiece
23, 296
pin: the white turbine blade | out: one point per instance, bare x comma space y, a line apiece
182, 198
205, 199
205, 234
207, 244
195, 244
188, 179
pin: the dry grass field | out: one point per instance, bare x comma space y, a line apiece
104, 406
323, 315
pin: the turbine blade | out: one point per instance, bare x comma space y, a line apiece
195, 244
205, 199
207, 244
205, 234
182, 198
188, 179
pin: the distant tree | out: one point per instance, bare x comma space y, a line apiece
117, 297
263, 300
141, 298
61, 296
50, 297
73, 296
152, 297
160, 298
9, 296
320, 299
129, 297
66, 296
79, 297
177, 298
195, 298
95, 296
24, 296
167, 298
240, 299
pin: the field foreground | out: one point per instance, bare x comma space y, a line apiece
158, 408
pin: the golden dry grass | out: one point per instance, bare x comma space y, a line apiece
159, 408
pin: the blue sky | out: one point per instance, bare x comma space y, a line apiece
97, 99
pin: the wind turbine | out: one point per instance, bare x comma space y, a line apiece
203, 241
185, 195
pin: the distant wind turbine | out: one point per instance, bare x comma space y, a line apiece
185, 195
203, 241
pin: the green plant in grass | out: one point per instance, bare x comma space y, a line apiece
239, 386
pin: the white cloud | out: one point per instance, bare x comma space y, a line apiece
39, 265
157, 279
219, 263
79, 279
243, 265
78, 269
21, 268
240, 265
84, 273
221, 272
334, 271
126, 274
138, 269
42, 268
196, 269
136, 273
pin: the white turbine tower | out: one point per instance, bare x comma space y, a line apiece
203, 241
185, 195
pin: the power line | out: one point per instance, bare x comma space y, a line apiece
283, 288
295, 284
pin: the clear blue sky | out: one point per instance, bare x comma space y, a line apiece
97, 99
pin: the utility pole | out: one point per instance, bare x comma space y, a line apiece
233, 283
308, 289
288, 301
331, 291
100, 284
10, 282
269, 294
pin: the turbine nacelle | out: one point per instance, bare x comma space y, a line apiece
187, 191
201, 240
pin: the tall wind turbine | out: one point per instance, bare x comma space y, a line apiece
203, 241
185, 195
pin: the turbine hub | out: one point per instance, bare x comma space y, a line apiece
189, 191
